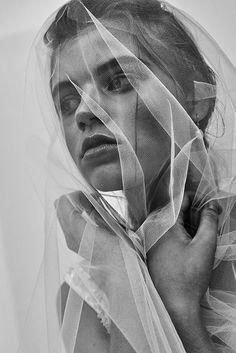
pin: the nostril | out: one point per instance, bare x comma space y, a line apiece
81, 126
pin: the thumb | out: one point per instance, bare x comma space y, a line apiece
208, 226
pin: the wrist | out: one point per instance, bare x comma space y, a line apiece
191, 330
186, 316
183, 309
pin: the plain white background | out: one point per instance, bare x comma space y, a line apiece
21, 214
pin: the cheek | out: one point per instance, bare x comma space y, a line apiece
72, 139
153, 144
123, 110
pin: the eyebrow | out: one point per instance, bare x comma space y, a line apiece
111, 64
116, 62
60, 86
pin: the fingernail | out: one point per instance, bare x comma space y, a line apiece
88, 218
78, 208
214, 206
56, 203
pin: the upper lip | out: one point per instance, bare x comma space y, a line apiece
96, 140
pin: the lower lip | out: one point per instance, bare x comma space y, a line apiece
100, 151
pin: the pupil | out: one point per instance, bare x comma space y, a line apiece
116, 83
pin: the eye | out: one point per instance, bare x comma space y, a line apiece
120, 84
69, 104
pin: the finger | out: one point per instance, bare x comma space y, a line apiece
73, 205
182, 224
67, 206
92, 212
78, 206
186, 203
71, 220
184, 227
207, 231
189, 216
84, 203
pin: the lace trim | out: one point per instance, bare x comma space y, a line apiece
80, 281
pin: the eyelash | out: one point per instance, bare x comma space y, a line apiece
126, 88
66, 110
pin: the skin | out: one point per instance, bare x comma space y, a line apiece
178, 288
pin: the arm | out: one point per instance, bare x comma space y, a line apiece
184, 272
92, 336
192, 332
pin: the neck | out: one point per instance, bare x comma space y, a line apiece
136, 206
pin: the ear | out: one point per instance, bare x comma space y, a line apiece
198, 103
200, 110
199, 97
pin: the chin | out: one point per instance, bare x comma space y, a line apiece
106, 178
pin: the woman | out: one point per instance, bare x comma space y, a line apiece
142, 118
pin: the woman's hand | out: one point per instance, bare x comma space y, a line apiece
181, 267
73, 212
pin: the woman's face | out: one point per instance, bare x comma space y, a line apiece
87, 62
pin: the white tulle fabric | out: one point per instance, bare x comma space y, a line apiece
108, 271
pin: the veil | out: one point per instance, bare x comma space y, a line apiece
139, 106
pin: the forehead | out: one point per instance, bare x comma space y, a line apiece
82, 55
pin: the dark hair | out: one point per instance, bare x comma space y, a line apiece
177, 46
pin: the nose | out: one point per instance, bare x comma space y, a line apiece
84, 117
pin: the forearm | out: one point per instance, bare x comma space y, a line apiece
189, 326
192, 332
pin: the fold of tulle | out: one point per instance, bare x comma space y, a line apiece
105, 268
